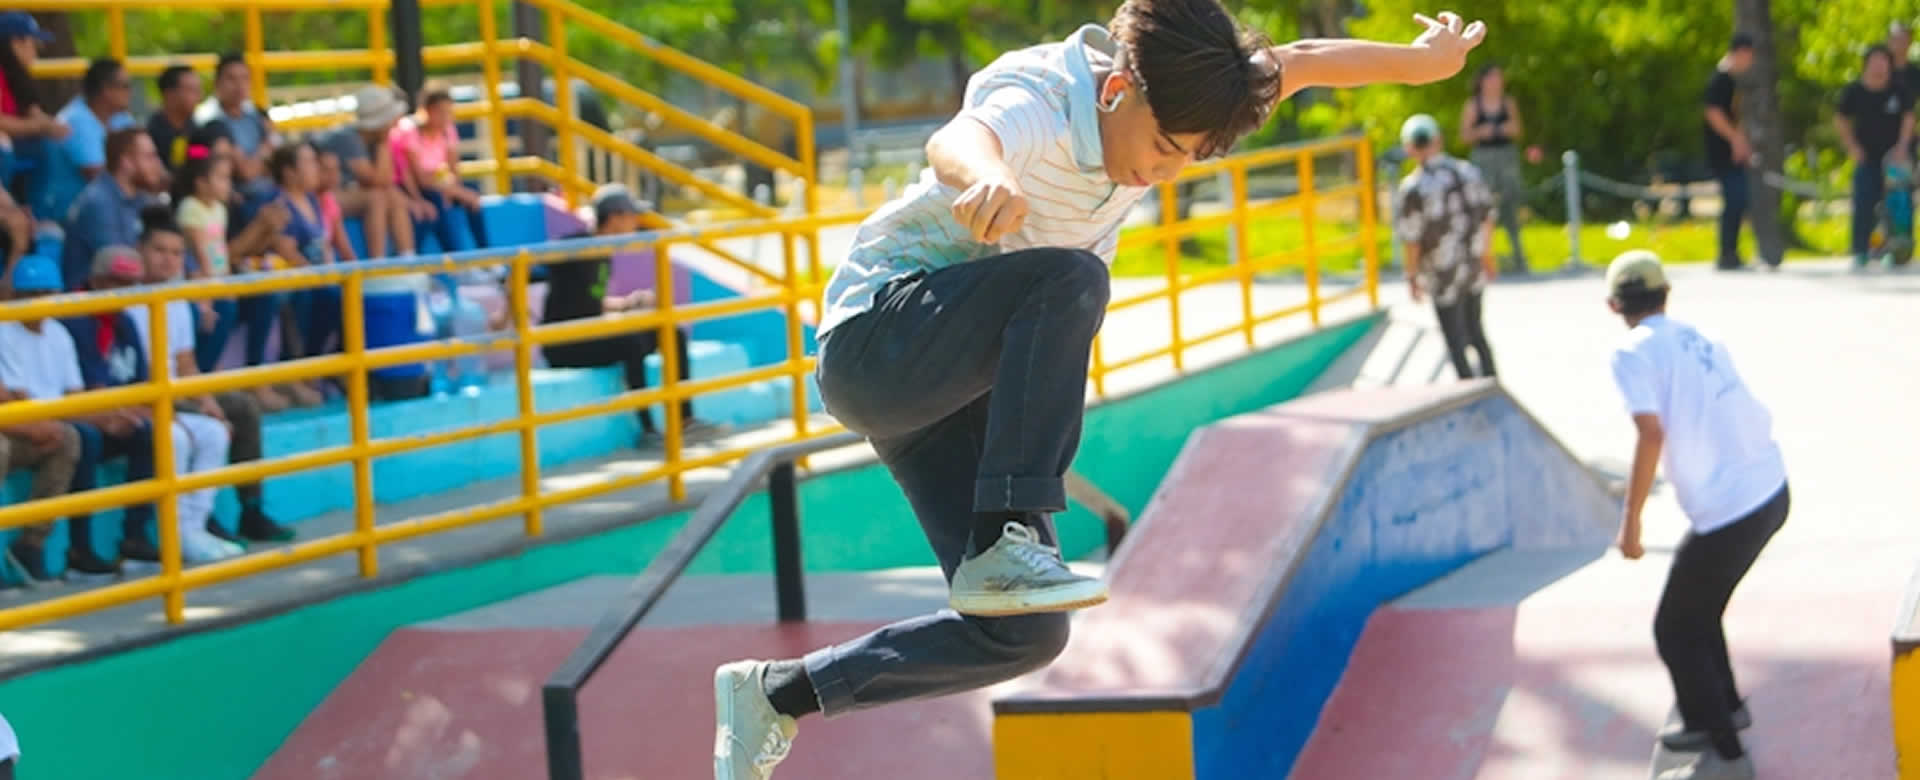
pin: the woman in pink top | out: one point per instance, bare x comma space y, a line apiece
425, 165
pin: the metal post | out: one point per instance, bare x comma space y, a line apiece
1224, 180
408, 41
1571, 160
790, 590
528, 24
849, 101
563, 734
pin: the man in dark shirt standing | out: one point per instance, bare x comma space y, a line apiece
1727, 148
577, 289
1906, 72
1875, 119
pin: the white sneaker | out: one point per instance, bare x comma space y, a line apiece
1018, 575
198, 546
1708, 765
749, 737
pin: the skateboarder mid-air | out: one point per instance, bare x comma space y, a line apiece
1695, 414
956, 334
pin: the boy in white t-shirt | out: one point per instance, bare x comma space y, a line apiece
956, 335
1695, 415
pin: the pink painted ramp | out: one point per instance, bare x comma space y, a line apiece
1568, 685
466, 704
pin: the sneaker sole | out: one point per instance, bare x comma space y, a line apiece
724, 679
1059, 598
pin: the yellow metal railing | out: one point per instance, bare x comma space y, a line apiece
784, 289
494, 55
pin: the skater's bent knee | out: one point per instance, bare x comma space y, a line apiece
1035, 639
1079, 273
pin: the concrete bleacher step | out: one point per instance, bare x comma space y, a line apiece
482, 669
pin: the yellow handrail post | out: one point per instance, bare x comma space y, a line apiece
563, 104
377, 43
353, 341
1169, 215
523, 376
166, 523
804, 131
796, 354
1098, 372
1305, 170
669, 366
496, 110
256, 54
117, 33
1369, 220
1242, 251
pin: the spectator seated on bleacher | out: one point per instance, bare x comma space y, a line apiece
101, 108
357, 162
106, 212
311, 237
38, 361
577, 289
27, 131
111, 355
246, 126
426, 165
163, 250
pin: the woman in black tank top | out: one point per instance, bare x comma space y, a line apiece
1491, 123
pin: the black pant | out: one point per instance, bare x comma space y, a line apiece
1869, 187
631, 351
1733, 209
1687, 628
1460, 326
970, 382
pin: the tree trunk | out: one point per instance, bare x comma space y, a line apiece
1761, 117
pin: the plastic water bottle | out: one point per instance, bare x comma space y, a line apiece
457, 318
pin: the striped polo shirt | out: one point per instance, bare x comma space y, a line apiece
1040, 102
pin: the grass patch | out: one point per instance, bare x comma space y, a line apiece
1693, 241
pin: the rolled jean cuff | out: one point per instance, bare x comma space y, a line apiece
1019, 494
829, 686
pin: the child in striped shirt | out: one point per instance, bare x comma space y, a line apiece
956, 335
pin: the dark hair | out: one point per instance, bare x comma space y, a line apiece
229, 60
120, 144
1741, 41
1638, 301
100, 75
286, 157
435, 92
1480, 78
205, 135
155, 220
1197, 69
186, 179
172, 76
1880, 50
26, 95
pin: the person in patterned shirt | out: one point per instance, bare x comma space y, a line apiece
1443, 215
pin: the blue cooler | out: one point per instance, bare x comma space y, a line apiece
392, 306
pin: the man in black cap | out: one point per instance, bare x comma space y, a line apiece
577, 289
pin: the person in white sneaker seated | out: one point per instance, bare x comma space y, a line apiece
956, 336
111, 355
1693, 413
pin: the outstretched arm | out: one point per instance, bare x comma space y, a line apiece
1437, 54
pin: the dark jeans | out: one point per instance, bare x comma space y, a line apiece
457, 228
970, 382
258, 313
631, 351
1460, 326
1687, 628
210, 341
1869, 188
317, 317
97, 447
1733, 209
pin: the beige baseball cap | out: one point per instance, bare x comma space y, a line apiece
1638, 268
